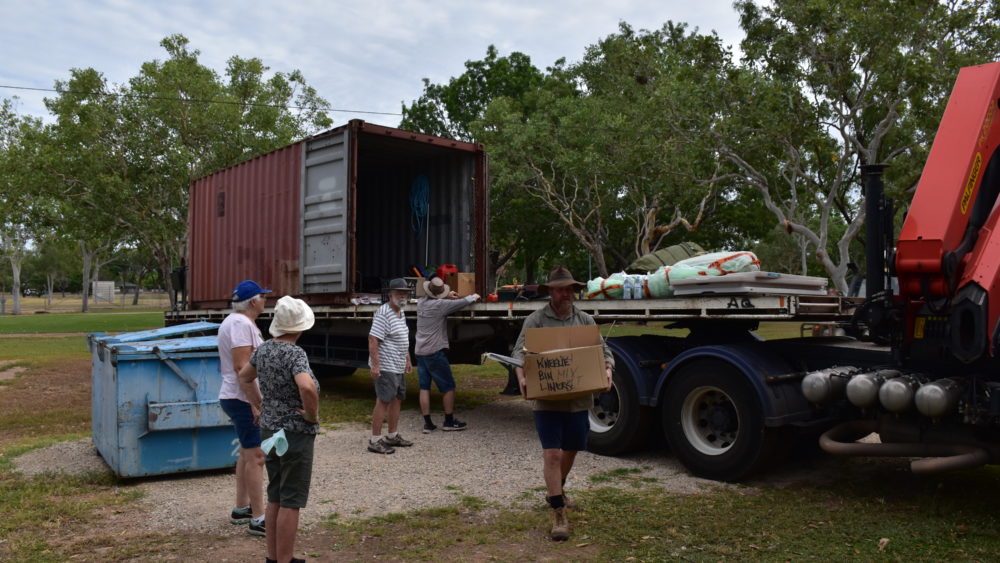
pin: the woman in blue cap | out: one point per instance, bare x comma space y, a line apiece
238, 338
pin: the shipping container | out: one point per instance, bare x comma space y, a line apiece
338, 214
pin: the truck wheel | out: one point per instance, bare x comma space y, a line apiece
617, 423
714, 423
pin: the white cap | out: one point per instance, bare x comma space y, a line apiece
291, 315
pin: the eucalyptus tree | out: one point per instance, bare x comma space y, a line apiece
612, 157
20, 205
828, 87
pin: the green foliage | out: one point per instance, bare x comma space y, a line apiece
612, 157
827, 87
113, 169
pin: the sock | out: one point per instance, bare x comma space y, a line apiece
427, 419
448, 418
247, 507
556, 501
393, 434
258, 521
374, 439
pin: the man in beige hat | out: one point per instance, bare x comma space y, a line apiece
562, 426
288, 401
431, 350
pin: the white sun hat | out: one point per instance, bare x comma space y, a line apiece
291, 315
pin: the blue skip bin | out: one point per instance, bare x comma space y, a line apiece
155, 407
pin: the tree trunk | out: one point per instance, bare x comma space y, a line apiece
15, 267
87, 257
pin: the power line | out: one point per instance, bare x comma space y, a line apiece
195, 100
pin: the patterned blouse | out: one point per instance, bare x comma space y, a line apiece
277, 363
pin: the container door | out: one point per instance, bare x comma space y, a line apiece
325, 208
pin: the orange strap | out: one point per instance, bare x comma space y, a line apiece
717, 265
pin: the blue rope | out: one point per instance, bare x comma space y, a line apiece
420, 195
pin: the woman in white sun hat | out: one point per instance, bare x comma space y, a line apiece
288, 400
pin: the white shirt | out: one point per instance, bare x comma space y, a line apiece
236, 331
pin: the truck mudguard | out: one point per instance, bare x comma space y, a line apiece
782, 403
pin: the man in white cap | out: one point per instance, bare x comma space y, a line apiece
389, 360
238, 338
288, 401
431, 349
562, 426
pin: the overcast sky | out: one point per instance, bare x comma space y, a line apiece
367, 55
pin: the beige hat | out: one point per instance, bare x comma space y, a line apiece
436, 288
291, 315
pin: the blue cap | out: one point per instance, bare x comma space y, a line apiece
247, 289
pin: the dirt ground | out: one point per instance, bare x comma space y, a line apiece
183, 517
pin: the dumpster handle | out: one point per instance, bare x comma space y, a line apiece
173, 367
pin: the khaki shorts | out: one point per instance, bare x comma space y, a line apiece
288, 476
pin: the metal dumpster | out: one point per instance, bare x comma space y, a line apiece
155, 406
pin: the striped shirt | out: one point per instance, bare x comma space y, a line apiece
389, 327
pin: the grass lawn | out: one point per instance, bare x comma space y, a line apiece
81, 322
841, 509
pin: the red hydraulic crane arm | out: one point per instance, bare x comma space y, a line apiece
951, 212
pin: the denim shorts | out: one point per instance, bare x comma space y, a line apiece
563, 430
435, 366
288, 476
241, 415
390, 386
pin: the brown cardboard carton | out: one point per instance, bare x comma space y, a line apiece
563, 362
463, 283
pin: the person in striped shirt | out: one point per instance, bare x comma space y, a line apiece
389, 360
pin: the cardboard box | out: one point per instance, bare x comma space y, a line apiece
418, 287
563, 362
464, 283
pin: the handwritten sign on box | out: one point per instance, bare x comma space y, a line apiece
563, 362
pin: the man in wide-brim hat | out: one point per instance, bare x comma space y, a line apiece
562, 425
431, 349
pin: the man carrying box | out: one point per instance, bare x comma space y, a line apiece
562, 425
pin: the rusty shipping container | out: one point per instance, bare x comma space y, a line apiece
338, 214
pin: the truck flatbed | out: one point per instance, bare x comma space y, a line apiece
763, 307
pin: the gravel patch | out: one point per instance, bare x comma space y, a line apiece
497, 459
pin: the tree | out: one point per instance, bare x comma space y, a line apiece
20, 206
854, 82
53, 261
122, 156
616, 169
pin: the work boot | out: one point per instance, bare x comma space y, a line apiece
560, 526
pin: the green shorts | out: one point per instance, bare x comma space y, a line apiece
288, 476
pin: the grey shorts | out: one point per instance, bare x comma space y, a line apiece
288, 476
390, 386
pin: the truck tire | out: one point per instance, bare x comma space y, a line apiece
618, 424
714, 422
